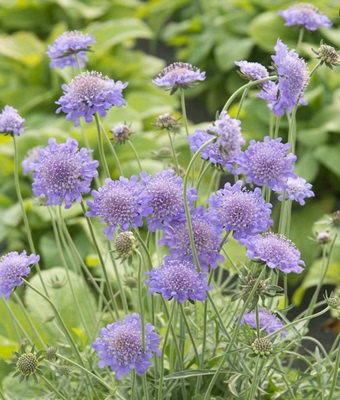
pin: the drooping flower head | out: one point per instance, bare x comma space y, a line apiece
63, 173
297, 189
119, 203
88, 93
120, 346
68, 47
267, 163
268, 321
276, 251
178, 279
252, 70
328, 55
31, 160
13, 267
179, 75
165, 193
11, 122
241, 211
207, 239
120, 133
305, 15
169, 122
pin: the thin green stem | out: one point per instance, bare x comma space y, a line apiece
184, 112
300, 39
173, 150
255, 380
135, 154
55, 390
335, 374
192, 339
101, 147
140, 297
239, 108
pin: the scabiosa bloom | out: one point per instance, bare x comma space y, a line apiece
120, 346
252, 70
11, 122
13, 267
31, 160
207, 238
267, 163
119, 203
179, 75
67, 47
305, 15
268, 321
88, 93
276, 251
178, 279
165, 193
62, 172
297, 189
239, 210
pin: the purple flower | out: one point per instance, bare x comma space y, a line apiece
252, 70
297, 189
62, 172
179, 75
267, 163
68, 47
11, 122
293, 78
239, 210
306, 15
119, 203
178, 279
13, 267
207, 238
276, 251
165, 193
88, 93
268, 321
120, 346
31, 160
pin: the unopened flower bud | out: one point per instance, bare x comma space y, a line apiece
262, 346
125, 244
168, 122
328, 55
323, 237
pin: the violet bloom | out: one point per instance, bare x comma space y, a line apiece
63, 173
305, 15
178, 279
179, 75
11, 122
268, 321
252, 71
119, 203
31, 160
68, 47
239, 210
207, 239
165, 193
120, 346
297, 189
276, 251
13, 267
90, 93
267, 163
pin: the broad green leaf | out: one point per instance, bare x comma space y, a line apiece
329, 157
226, 53
307, 166
7, 347
23, 391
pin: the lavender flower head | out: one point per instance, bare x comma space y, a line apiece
252, 71
276, 251
62, 172
31, 160
11, 122
268, 321
13, 267
120, 346
297, 189
90, 93
178, 279
267, 163
179, 75
305, 15
236, 209
119, 203
165, 192
68, 47
207, 239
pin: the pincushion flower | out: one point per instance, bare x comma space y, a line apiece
268, 321
68, 47
179, 75
267, 163
62, 172
241, 211
297, 189
305, 15
90, 93
31, 160
178, 279
252, 71
276, 251
120, 346
119, 203
11, 122
13, 267
207, 239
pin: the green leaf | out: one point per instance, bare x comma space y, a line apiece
329, 157
307, 166
26, 390
226, 53
7, 347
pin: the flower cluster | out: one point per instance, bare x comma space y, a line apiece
11, 122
